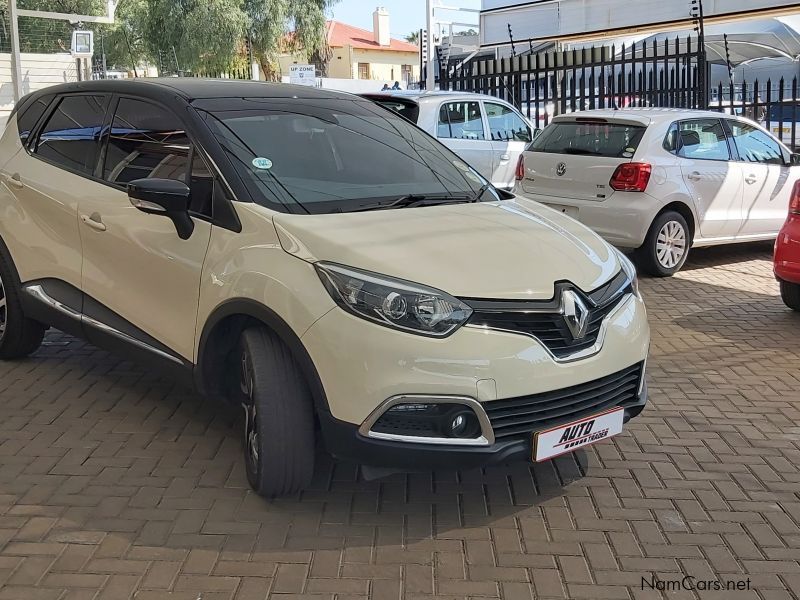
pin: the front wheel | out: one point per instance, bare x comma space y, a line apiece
279, 415
19, 335
666, 246
790, 292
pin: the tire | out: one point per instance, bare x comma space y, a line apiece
279, 415
19, 336
666, 246
790, 292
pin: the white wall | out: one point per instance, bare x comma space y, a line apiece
353, 86
38, 71
560, 18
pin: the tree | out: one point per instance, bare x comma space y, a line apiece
296, 26
413, 37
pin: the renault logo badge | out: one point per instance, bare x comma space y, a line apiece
576, 315
561, 169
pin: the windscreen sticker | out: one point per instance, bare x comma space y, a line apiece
262, 163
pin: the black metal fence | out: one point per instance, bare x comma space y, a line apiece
660, 73
541, 85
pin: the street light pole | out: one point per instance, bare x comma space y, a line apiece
430, 77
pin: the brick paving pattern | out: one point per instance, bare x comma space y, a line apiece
115, 483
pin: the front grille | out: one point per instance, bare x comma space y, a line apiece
523, 415
544, 321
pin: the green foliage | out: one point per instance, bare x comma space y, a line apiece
413, 37
187, 35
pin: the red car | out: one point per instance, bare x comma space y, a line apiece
787, 253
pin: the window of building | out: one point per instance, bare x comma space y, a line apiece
71, 136
461, 121
363, 71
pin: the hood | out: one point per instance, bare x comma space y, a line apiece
505, 250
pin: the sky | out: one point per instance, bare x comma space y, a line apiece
405, 16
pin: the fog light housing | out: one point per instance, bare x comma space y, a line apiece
443, 421
463, 425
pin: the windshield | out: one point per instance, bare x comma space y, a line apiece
334, 155
615, 140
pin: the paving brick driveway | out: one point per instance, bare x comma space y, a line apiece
114, 483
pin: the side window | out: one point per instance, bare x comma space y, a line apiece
703, 139
147, 141
505, 124
671, 139
461, 121
71, 135
754, 145
27, 119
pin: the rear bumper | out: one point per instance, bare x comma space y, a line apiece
622, 220
787, 252
344, 441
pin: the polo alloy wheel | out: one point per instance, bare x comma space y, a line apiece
671, 244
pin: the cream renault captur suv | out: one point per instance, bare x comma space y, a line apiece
321, 261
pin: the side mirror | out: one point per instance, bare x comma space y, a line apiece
166, 197
794, 160
536, 133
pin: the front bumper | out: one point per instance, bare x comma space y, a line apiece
344, 441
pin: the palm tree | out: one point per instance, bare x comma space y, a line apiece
413, 37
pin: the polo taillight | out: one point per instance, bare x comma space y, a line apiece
631, 177
520, 174
794, 203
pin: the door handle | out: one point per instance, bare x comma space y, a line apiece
14, 181
751, 179
95, 221
694, 176
505, 157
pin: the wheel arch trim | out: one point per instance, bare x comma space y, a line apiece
246, 308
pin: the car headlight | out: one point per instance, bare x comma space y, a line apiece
393, 302
630, 271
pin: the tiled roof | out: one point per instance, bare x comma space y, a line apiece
340, 35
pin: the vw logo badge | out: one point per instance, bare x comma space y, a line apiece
576, 314
561, 169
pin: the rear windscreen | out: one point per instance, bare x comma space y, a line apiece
409, 110
615, 140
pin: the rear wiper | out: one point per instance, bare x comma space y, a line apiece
414, 200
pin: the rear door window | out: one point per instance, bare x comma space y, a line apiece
703, 139
71, 136
590, 138
461, 121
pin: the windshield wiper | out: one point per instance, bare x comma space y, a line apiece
414, 200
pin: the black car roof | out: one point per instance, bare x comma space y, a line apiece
193, 88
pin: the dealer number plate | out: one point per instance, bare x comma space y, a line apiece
566, 438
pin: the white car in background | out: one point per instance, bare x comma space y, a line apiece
659, 181
488, 133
